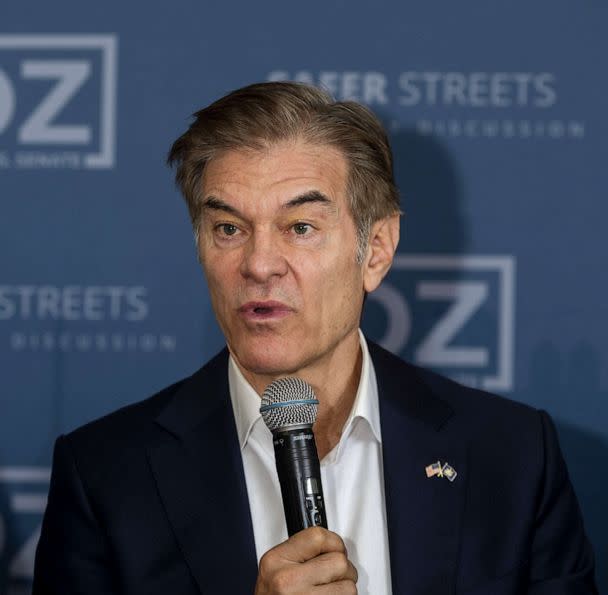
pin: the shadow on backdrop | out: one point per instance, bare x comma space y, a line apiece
433, 223
431, 196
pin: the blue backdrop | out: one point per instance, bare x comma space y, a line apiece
497, 116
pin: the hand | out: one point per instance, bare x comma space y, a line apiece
311, 561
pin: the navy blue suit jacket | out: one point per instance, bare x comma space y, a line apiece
152, 499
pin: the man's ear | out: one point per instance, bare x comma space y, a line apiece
381, 248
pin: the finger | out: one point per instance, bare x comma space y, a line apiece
310, 543
345, 587
330, 567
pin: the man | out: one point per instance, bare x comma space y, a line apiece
431, 487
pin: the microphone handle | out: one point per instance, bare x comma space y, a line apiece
300, 478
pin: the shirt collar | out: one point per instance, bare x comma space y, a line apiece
246, 402
366, 400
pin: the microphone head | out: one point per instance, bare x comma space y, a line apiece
288, 402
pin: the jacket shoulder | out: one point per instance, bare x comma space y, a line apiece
130, 424
135, 425
468, 404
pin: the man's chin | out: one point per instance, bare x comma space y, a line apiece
271, 367
271, 362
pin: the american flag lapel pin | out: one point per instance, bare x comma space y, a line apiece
434, 469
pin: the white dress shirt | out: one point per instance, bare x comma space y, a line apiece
353, 482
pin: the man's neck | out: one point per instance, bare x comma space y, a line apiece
335, 380
336, 405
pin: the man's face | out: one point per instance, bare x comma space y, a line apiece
278, 246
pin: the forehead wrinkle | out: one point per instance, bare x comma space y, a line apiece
265, 164
257, 174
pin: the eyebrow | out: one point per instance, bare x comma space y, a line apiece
314, 196
217, 204
308, 197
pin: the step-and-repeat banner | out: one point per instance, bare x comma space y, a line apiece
498, 120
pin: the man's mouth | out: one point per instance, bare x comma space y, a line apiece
258, 311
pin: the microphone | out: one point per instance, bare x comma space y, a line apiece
289, 409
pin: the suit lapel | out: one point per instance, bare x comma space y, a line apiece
200, 478
423, 514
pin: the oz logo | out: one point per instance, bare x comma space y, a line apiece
23, 495
454, 314
58, 101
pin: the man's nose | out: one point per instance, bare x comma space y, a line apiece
263, 258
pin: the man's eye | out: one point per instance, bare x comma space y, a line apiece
301, 228
228, 229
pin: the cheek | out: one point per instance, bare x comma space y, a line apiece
221, 288
337, 290
220, 268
